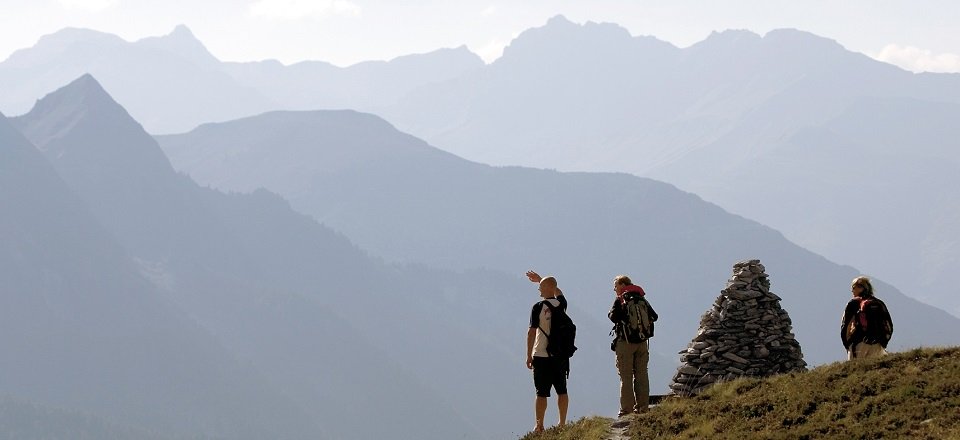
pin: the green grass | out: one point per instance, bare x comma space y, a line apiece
910, 395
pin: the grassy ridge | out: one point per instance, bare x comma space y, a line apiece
910, 395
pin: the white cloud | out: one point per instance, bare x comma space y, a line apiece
919, 60
298, 9
88, 5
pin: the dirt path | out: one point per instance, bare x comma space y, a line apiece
619, 428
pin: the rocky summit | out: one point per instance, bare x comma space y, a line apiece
745, 333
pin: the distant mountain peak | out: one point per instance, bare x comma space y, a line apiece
52, 46
81, 125
728, 39
182, 42
733, 35
182, 31
81, 99
74, 34
796, 37
560, 20
85, 90
562, 37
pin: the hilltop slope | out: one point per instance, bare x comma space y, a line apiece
912, 394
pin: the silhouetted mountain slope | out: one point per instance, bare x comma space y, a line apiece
298, 302
81, 328
402, 199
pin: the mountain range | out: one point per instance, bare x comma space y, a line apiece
398, 197
849, 157
782, 116
319, 334
172, 83
294, 305
328, 265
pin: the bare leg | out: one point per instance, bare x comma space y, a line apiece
562, 401
541, 410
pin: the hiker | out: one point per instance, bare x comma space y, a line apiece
548, 371
866, 326
633, 319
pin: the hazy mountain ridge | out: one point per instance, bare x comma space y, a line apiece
398, 207
296, 301
368, 85
612, 92
82, 329
713, 118
400, 198
172, 83
141, 73
592, 97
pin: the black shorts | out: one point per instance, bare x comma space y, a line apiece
550, 372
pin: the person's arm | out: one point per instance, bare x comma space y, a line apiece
886, 331
889, 329
532, 332
616, 312
844, 322
531, 335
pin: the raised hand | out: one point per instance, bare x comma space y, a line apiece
533, 276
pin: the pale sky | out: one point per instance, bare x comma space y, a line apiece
919, 35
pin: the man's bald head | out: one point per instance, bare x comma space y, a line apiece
548, 287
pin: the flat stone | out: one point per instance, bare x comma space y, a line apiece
736, 358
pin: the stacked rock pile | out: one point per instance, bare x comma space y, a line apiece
745, 333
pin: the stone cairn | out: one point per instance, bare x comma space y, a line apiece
745, 333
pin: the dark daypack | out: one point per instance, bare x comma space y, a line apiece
869, 318
637, 324
563, 332
861, 316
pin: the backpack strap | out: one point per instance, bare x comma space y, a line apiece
552, 310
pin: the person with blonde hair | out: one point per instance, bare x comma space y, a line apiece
548, 371
866, 326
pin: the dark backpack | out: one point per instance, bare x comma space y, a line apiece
637, 324
563, 332
869, 309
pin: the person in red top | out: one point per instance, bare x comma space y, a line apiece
632, 357
548, 372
